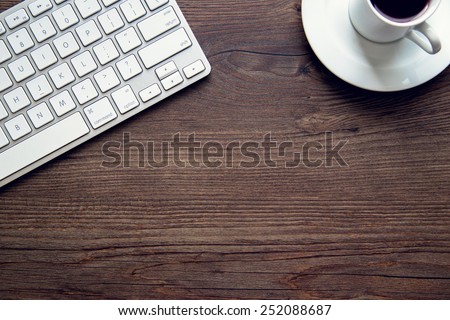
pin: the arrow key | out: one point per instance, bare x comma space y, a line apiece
166, 70
172, 81
194, 69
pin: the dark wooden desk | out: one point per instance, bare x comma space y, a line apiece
379, 228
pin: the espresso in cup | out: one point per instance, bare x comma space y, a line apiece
401, 10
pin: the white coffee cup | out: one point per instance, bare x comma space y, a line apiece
376, 27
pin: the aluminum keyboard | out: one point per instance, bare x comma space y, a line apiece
71, 69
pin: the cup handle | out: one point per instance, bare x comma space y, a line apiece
433, 45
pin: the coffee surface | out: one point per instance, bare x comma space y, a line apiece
401, 10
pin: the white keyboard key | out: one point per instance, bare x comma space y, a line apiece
65, 17
166, 70
21, 69
3, 139
107, 3
87, 7
5, 55
172, 81
128, 40
62, 103
165, 48
40, 115
43, 29
100, 113
158, 23
66, 45
194, 69
125, 99
129, 67
5, 81
40, 6
39, 87
111, 21
85, 91
107, 79
132, 10
42, 144
155, 4
44, 57
150, 93
88, 33
17, 18
106, 52
17, 99
20, 41
61, 75
18, 127
84, 64
3, 112
2, 28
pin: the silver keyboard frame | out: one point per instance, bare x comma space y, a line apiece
182, 60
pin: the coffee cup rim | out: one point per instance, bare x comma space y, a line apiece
425, 16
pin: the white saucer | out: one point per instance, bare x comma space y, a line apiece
379, 67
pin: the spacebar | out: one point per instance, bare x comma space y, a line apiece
42, 144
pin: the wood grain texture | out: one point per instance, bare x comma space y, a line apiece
379, 228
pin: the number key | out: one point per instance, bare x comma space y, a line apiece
20, 41
65, 17
43, 29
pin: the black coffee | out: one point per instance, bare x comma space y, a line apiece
401, 10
